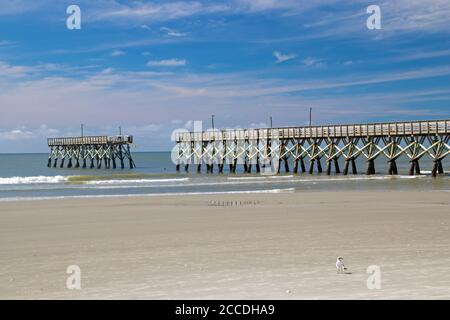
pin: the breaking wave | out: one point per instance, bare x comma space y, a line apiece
32, 180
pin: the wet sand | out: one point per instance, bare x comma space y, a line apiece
263, 246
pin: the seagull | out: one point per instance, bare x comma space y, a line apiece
340, 265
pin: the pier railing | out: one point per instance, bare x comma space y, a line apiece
410, 128
90, 140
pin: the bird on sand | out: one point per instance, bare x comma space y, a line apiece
340, 266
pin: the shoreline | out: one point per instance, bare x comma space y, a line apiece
194, 194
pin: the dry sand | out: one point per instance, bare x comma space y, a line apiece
279, 246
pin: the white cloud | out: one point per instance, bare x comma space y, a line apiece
7, 70
7, 43
167, 63
413, 15
280, 57
264, 5
10, 7
160, 11
16, 134
313, 62
173, 33
117, 53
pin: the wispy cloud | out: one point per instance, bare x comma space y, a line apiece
280, 57
117, 53
167, 63
414, 15
16, 134
7, 70
7, 43
264, 5
313, 62
12, 7
173, 33
27, 133
163, 11
425, 54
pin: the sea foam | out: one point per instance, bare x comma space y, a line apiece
32, 180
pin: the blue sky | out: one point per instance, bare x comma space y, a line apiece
155, 66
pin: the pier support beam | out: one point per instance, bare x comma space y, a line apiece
302, 165
311, 166
328, 172
295, 169
346, 166
336, 166
319, 166
354, 170
330, 164
370, 167
392, 170
414, 167
286, 165
437, 168
440, 167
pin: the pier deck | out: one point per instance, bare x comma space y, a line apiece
268, 148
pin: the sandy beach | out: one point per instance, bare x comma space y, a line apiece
261, 246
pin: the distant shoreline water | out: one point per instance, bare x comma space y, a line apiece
26, 177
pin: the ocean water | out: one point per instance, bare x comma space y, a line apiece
26, 176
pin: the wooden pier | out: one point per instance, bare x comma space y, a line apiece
306, 147
114, 151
